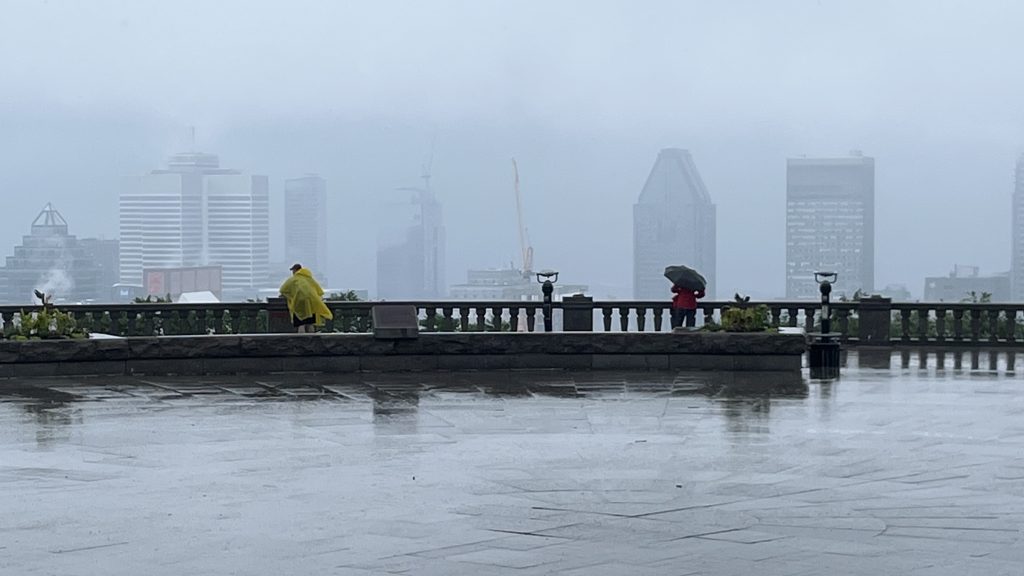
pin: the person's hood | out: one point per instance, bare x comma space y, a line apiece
304, 272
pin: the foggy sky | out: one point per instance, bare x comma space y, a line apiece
583, 95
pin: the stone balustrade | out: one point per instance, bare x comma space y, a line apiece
868, 322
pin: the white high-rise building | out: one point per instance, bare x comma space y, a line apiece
830, 224
673, 223
305, 224
195, 213
410, 246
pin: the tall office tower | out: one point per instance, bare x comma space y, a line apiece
830, 223
52, 261
195, 213
673, 223
305, 224
106, 254
1017, 250
410, 245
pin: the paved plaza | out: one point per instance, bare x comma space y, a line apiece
902, 471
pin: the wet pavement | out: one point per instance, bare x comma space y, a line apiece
914, 470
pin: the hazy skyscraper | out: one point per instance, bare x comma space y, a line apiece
196, 213
410, 245
305, 223
830, 223
673, 223
1017, 250
53, 261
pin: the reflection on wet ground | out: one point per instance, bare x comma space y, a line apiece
913, 470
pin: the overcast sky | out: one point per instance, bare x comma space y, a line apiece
583, 94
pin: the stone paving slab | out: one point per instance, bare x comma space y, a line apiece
881, 472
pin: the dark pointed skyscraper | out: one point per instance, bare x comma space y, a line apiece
673, 223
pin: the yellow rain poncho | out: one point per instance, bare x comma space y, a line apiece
305, 297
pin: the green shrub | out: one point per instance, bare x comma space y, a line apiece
46, 323
746, 319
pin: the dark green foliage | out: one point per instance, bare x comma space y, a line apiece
746, 318
349, 296
46, 323
454, 324
153, 299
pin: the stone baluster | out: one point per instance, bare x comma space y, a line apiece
958, 324
202, 321
464, 318
531, 318
809, 319
707, 316
430, 323
905, 325
641, 318
940, 324
497, 315
481, 319
843, 321
447, 313
624, 318
922, 324
1011, 324
975, 325
993, 325
218, 320
793, 313
776, 315
240, 320
607, 311
513, 319
658, 314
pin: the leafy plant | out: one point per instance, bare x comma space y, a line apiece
746, 318
47, 323
153, 299
349, 296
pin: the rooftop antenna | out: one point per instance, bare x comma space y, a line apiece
430, 163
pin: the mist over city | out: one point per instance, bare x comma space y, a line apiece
372, 97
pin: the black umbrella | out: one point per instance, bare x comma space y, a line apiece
685, 277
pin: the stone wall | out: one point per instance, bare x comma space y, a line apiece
362, 352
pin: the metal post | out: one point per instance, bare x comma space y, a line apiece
823, 353
826, 320
547, 289
547, 279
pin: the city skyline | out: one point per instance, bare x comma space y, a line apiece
363, 106
196, 161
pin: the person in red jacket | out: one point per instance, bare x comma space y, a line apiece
684, 306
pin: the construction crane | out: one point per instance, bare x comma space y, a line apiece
524, 240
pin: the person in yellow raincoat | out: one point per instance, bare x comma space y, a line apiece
305, 300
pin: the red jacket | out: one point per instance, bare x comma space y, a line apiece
685, 299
